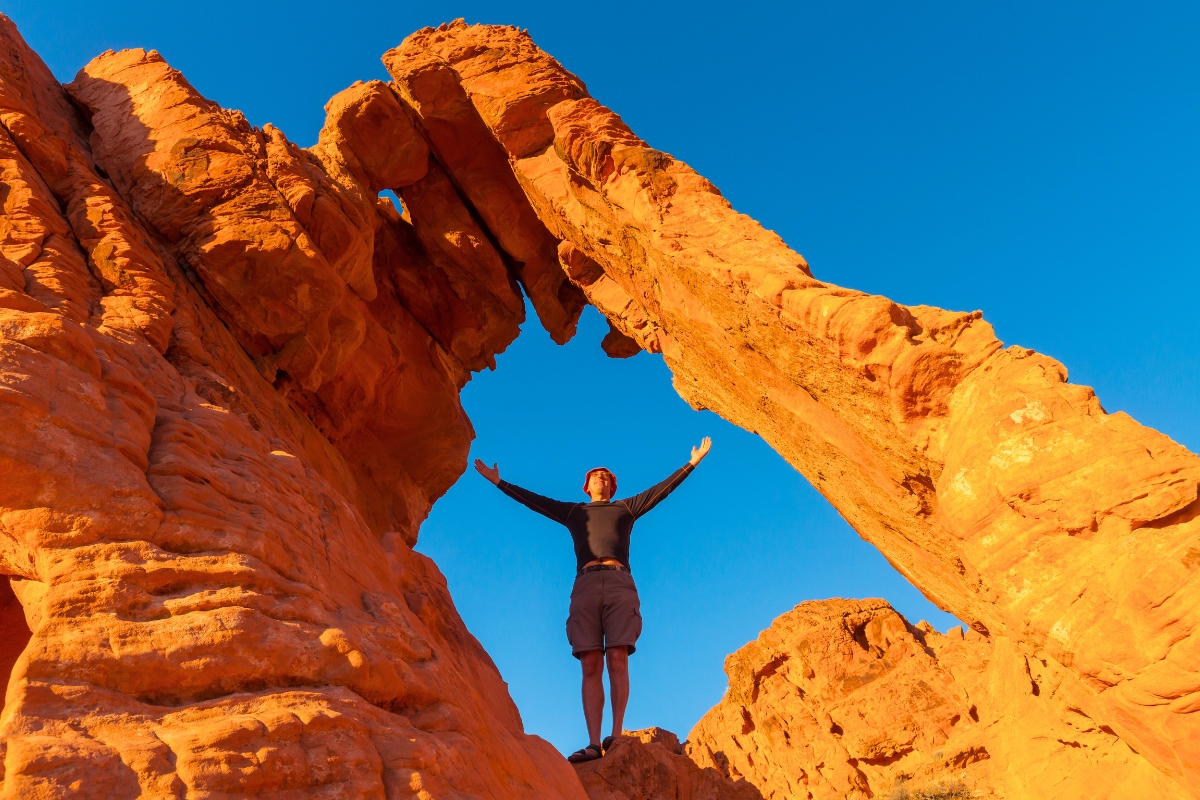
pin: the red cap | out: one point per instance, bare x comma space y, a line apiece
588, 477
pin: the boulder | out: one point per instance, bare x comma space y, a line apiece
847, 699
651, 764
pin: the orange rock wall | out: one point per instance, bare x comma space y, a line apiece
1007, 494
229, 394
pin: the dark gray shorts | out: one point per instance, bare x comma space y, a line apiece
605, 612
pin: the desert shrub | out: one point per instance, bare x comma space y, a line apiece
934, 791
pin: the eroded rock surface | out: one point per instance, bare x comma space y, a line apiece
1007, 494
846, 699
477, 162
651, 764
229, 378
222, 427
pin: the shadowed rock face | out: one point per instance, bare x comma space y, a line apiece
16, 632
229, 378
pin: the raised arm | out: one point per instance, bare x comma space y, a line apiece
556, 510
639, 504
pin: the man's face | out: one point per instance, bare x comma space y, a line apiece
600, 483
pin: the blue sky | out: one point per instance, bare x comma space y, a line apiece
1036, 160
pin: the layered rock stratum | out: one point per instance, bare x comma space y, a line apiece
229, 376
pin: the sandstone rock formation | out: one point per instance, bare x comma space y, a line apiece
229, 377
651, 765
229, 394
1008, 495
845, 699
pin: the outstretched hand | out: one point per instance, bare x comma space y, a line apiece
492, 473
698, 453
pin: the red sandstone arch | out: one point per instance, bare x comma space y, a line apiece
230, 397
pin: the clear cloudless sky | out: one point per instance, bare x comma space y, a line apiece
1039, 161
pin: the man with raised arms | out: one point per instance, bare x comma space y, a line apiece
605, 619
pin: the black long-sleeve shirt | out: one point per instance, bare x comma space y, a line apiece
599, 529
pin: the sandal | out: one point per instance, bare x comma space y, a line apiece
607, 744
589, 753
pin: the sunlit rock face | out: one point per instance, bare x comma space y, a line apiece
1006, 494
651, 764
229, 384
846, 699
229, 378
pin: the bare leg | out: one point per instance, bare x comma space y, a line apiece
618, 681
593, 692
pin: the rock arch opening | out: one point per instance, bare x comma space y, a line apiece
14, 634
